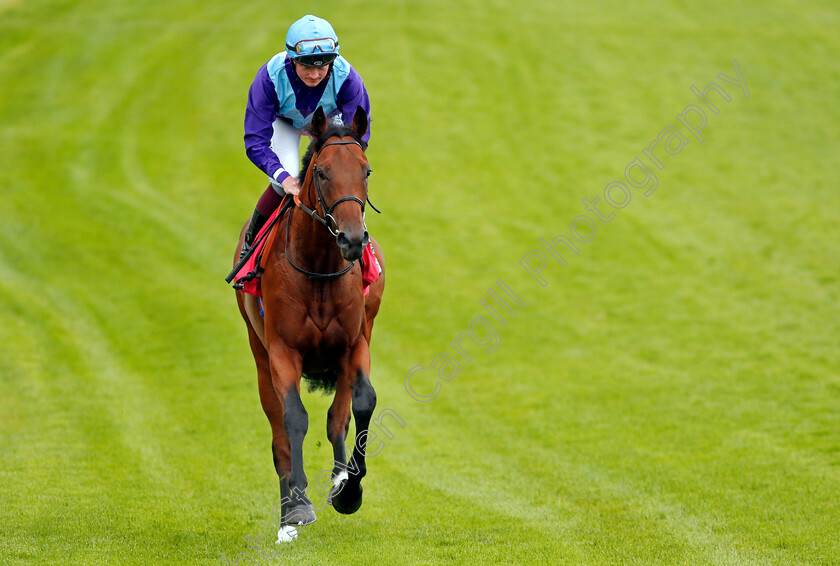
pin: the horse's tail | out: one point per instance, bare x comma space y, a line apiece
324, 381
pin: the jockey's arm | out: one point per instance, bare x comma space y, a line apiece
351, 95
260, 113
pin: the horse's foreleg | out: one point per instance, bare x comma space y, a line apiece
285, 374
273, 409
347, 493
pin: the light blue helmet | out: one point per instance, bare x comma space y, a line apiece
312, 41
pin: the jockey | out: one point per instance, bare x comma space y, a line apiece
285, 93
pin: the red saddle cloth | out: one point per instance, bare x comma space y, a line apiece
370, 268
247, 279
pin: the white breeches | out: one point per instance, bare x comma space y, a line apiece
285, 143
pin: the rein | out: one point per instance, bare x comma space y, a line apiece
312, 274
327, 219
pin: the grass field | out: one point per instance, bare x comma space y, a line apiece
670, 396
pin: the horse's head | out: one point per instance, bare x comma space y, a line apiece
336, 180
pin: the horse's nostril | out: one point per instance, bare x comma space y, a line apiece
344, 241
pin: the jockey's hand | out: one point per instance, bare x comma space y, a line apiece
291, 186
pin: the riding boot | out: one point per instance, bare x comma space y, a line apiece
257, 222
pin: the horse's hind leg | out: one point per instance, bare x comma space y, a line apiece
346, 496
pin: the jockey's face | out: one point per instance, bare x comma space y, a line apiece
311, 76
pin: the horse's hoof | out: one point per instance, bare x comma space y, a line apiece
299, 515
346, 498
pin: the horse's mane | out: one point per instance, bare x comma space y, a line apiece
333, 130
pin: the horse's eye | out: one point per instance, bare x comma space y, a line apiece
321, 174
369, 171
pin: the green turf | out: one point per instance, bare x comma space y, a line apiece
671, 396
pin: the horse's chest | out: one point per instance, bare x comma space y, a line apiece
332, 332
325, 346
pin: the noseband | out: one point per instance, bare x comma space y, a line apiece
327, 219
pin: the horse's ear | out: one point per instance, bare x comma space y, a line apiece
319, 123
360, 122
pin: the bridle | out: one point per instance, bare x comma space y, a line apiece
327, 219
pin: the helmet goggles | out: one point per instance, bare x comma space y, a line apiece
314, 52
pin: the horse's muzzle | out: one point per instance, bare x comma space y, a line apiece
352, 245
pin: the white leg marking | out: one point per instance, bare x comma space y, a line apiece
287, 533
340, 478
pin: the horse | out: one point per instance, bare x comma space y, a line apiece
317, 322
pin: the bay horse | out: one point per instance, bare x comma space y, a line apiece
317, 322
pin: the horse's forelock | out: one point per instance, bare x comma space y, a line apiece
333, 130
